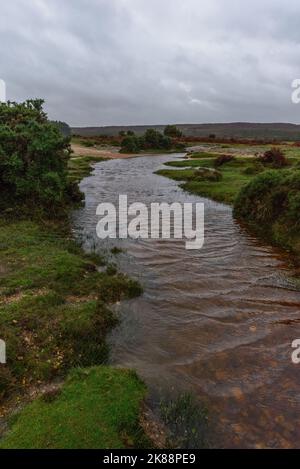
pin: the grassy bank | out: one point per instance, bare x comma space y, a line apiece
80, 166
96, 408
268, 204
54, 304
54, 313
54, 317
234, 176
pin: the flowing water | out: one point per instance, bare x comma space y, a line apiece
215, 321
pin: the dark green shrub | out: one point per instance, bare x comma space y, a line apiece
151, 140
33, 158
130, 144
155, 140
271, 202
172, 131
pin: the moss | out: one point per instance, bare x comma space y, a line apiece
96, 408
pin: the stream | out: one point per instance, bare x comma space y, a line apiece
218, 321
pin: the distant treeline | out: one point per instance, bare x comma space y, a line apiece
151, 140
239, 130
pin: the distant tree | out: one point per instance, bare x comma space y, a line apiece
165, 142
172, 131
130, 144
212, 136
152, 137
151, 140
130, 133
122, 133
155, 140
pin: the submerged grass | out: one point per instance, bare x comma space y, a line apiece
187, 420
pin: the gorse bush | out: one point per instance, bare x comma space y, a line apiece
33, 158
271, 202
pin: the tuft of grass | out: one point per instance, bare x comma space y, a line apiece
187, 421
96, 408
115, 251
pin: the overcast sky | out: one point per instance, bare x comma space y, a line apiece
105, 62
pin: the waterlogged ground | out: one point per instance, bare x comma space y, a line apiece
214, 321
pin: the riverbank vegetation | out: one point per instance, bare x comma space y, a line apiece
55, 301
33, 160
261, 182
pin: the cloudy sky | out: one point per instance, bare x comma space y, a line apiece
105, 62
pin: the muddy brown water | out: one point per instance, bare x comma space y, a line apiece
211, 321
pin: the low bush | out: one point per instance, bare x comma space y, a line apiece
206, 174
223, 159
256, 168
274, 158
271, 203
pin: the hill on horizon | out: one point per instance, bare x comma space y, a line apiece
279, 131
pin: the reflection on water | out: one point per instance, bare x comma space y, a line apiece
209, 320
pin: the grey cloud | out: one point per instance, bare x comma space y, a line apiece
103, 62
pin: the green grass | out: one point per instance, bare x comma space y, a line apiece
244, 185
233, 179
202, 154
96, 408
235, 175
54, 304
81, 166
194, 163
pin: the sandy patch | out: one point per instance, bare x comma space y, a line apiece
80, 150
